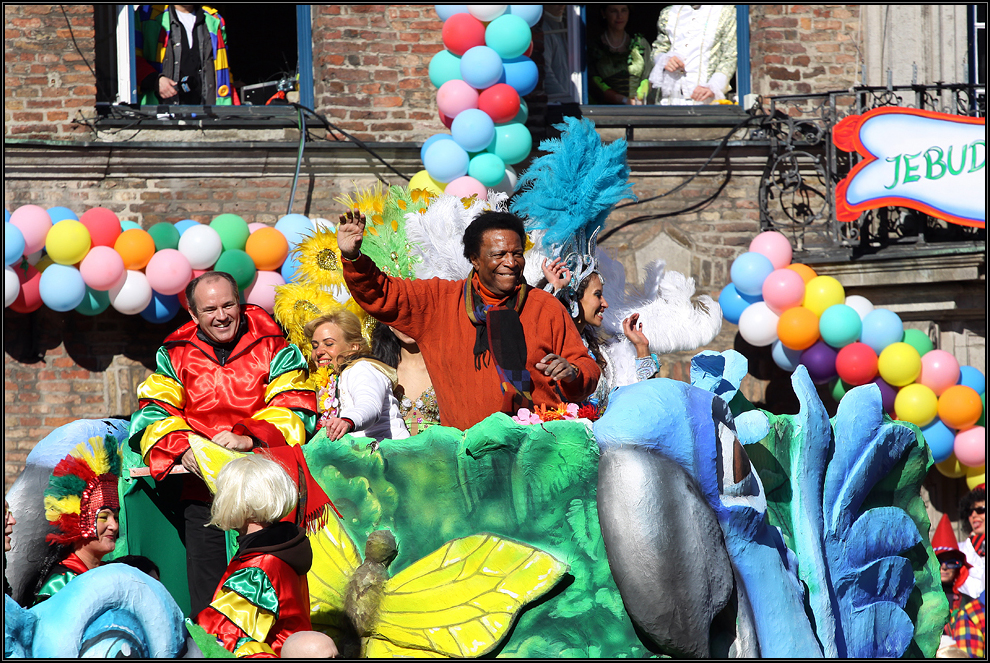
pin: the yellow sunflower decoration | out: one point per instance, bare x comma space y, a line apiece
319, 260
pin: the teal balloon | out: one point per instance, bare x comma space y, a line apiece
445, 66
94, 302
508, 35
840, 325
233, 231
165, 236
523, 114
512, 143
487, 168
130, 225
238, 264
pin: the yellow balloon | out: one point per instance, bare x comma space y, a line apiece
899, 364
422, 180
916, 403
43, 264
822, 292
68, 242
975, 476
952, 468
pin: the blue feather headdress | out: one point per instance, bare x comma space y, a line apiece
569, 192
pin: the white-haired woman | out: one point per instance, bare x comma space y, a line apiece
263, 597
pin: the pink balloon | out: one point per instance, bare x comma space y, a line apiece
168, 272
464, 187
255, 226
783, 289
262, 291
939, 371
971, 446
34, 223
774, 246
455, 96
102, 268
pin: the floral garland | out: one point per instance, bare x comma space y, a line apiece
562, 412
325, 381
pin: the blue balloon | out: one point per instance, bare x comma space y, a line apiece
295, 227
289, 268
529, 13
446, 161
446, 11
749, 271
184, 225
785, 357
162, 308
95, 302
481, 67
733, 303
940, 439
429, 141
473, 129
13, 244
62, 287
129, 225
61, 214
6, 215
521, 73
881, 327
972, 378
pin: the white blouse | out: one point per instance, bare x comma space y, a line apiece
366, 398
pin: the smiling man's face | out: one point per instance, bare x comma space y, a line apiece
217, 309
500, 261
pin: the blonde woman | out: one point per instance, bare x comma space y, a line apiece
360, 401
264, 592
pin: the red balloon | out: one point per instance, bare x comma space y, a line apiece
500, 101
529, 51
447, 121
462, 32
29, 298
103, 226
856, 364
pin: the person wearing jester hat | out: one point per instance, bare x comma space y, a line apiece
954, 570
82, 503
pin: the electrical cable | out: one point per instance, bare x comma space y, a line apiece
302, 146
72, 34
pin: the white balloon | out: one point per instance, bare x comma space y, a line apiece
508, 183
860, 304
201, 245
486, 13
11, 286
134, 295
324, 225
758, 324
33, 258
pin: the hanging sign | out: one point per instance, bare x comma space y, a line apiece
931, 162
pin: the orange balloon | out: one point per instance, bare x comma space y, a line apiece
959, 407
136, 247
807, 273
797, 328
268, 248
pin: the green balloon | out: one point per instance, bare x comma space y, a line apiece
94, 302
165, 236
233, 231
487, 168
445, 66
918, 340
512, 142
983, 415
238, 264
838, 389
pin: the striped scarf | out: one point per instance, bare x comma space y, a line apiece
499, 332
979, 542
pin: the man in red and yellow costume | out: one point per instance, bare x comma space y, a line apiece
228, 376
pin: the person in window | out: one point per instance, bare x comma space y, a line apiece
557, 71
694, 54
618, 62
181, 56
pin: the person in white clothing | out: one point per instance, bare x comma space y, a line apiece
695, 54
358, 398
973, 513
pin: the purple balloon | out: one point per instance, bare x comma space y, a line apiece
820, 361
888, 394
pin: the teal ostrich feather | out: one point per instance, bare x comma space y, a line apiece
571, 190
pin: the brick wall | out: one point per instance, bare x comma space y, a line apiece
803, 49
46, 80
